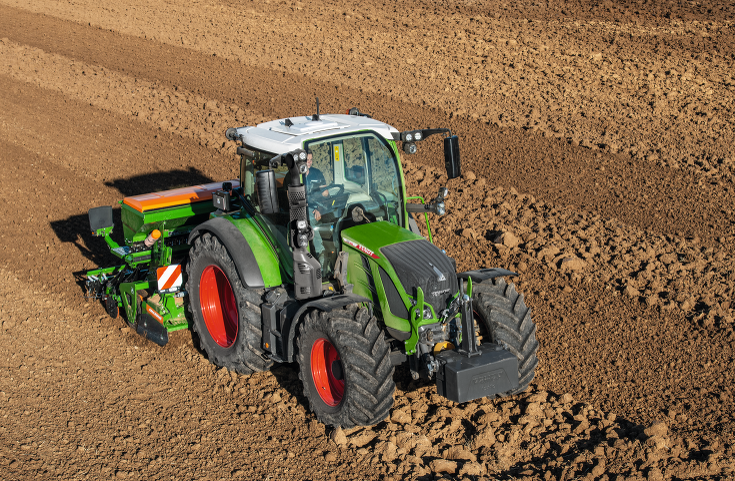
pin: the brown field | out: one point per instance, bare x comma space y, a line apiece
596, 131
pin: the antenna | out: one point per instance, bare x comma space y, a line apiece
316, 117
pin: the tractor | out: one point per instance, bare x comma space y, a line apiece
314, 256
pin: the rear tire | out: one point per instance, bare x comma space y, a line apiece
502, 314
225, 314
345, 367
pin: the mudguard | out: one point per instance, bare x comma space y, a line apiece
239, 249
322, 304
480, 275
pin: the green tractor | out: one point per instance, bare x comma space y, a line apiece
313, 255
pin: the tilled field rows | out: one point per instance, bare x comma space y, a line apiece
592, 81
625, 260
660, 270
666, 201
61, 238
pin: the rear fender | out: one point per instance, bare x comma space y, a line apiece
241, 242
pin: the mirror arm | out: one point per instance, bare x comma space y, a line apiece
427, 132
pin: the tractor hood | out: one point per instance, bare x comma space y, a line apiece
407, 260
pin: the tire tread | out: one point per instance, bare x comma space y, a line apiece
366, 363
245, 356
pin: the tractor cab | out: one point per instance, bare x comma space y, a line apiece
353, 177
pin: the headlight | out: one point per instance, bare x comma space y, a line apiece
409, 147
409, 137
301, 224
302, 168
417, 136
302, 155
303, 240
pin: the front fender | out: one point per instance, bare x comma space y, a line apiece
480, 275
321, 304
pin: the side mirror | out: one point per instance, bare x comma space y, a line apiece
100, 219
265, 185
451, 156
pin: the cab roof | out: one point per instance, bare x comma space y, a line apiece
278, 138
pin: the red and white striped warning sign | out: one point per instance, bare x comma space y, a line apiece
169, 277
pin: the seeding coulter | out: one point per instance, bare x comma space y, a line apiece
313, 256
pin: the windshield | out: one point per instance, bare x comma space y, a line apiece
352, 179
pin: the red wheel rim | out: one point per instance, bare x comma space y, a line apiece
219, 306
329, 385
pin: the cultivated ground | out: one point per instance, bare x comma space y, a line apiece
597, 142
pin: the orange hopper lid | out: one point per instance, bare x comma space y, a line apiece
175, 197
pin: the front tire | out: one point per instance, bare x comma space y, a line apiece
502, 315
345, 367
225, 314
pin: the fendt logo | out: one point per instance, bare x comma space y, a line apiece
362, 248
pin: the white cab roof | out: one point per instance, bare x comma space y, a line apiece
276, 137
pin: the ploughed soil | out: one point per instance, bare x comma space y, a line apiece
597, 164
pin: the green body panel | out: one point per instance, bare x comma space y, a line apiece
370, 285
375, 235
271, 269
178, 220
366, 240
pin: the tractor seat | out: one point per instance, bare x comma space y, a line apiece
175, 197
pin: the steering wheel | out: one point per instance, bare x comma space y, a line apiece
323, 203
341, 188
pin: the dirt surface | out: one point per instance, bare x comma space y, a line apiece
596, 143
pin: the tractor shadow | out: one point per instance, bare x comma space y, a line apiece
75, 229
158, 181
